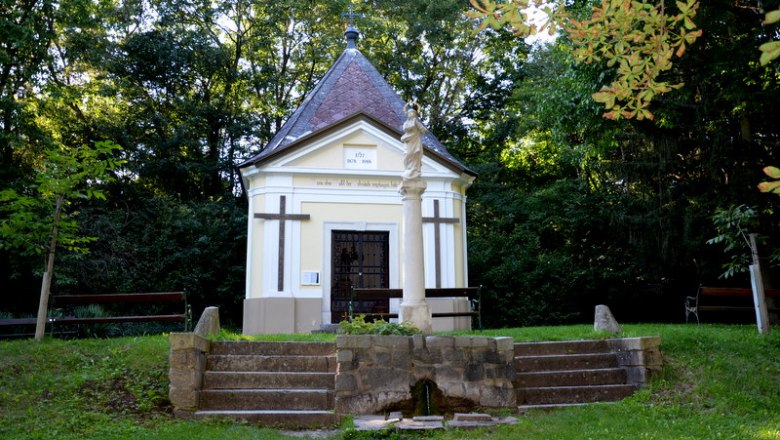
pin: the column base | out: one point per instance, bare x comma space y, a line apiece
417, 314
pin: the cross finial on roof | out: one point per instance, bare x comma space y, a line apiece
351, 14
352, 32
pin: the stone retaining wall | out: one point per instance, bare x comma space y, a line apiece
187, 364
378, 373
641, 357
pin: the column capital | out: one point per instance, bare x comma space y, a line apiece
412, 188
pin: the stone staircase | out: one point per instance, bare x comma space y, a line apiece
283, 384
566, 373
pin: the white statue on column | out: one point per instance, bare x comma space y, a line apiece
414, 308
414, 130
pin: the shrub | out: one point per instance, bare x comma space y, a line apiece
359, 326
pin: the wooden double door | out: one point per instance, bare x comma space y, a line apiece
359, 259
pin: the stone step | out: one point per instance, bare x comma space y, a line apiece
565, 362
274, 348
574, 394
549, 348
280, 399
267, 380
601, 376
310, 364
277, 419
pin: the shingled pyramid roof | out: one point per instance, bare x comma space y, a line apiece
351, 88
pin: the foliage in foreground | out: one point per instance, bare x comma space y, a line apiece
718, 382
359, 326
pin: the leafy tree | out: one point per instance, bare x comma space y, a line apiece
26, 30
44, 217
638, 38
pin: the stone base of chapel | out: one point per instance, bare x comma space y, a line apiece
282, 315
303, 315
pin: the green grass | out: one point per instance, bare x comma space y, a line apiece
718, 382
226, 335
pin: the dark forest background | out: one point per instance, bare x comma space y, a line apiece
569, 210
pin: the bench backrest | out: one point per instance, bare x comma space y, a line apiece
373, 293
121, 298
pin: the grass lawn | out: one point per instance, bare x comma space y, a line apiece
718, 382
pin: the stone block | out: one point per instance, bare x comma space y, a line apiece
439, 341
185, 399
493, 372
452, 388
186, 379
637, 375
353, 341
445, 372
382, 357
187, 360
474, 372
344, 356
419, 373
384, 378
418, 341
394, 342
471, 341
472, 417
504, 344
346, 382
486, 356
498, 397
183, 341
453, 355
639, 358
346, 366
640, 343
472, 390
401, 360
355, 404
428, 357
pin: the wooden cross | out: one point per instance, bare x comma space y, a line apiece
436, 220
282, 216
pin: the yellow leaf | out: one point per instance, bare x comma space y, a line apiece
769, 47
680, 51
772, 172
772, 17
769, 187
767, 57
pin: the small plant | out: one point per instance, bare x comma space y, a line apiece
359, 326
733, 225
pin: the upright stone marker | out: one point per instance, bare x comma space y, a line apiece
604, 321
414, 308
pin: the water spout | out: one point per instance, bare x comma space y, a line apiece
425, 398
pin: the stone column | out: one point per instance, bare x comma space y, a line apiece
414, 307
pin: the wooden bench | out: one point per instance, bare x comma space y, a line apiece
725, 299
112, 299
473, 294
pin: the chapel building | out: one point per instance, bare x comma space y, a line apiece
325, 213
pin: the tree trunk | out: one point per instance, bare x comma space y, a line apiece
43, 305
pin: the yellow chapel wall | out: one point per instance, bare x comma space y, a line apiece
313, 240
